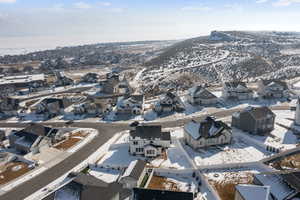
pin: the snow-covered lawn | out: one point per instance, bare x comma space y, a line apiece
105, 174
175, 160
118, 157
236, 152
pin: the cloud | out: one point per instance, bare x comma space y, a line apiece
281, 3
117, 10
8, 1
58, 7
234, 7
106, 4
82, 5
196, 8
262, 1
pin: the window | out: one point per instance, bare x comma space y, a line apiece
150, 152
135, 142
139, 150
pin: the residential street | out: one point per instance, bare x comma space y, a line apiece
106, 131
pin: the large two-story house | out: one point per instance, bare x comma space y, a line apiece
148, 140
208, 132
198, 95
93, 107
133, 104
9, 106
236, 90
90, 78
273, 88
255, 120
169, 102
33, 137
50, 107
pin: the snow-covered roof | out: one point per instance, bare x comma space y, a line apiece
21, 79
253, 192
259, 112
278, 187
192, 128
150, 132
236, 84
275, 82
206, 128
135, 169
199, 91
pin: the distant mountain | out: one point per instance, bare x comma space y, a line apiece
228, 55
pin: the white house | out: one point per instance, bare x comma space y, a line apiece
169, 102
93, 107
198, 95
273, 88
134, 174
133, 104
148, 140
236, 90
206, 133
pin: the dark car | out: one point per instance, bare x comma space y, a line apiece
69, 122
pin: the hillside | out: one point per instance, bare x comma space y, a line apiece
226, 55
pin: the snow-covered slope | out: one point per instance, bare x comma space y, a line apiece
224, 56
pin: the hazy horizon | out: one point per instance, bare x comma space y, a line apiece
46, 24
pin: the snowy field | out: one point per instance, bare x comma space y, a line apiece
175, 160
118, 157
237, 152
105, 174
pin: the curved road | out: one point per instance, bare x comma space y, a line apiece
106, 131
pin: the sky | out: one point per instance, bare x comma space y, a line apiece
51, 23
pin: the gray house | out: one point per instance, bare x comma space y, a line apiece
90, 78
236, 90
284, 186
9, 106
134, 174
169, 102
87, 187
33, 137
255, 120
200, 96
273, 88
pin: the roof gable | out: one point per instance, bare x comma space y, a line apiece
250, 192
205, 129
135, 169
150, 132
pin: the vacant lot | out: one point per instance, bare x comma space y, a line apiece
71, 140
12, 170
225, 183
162, 183
290, 162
